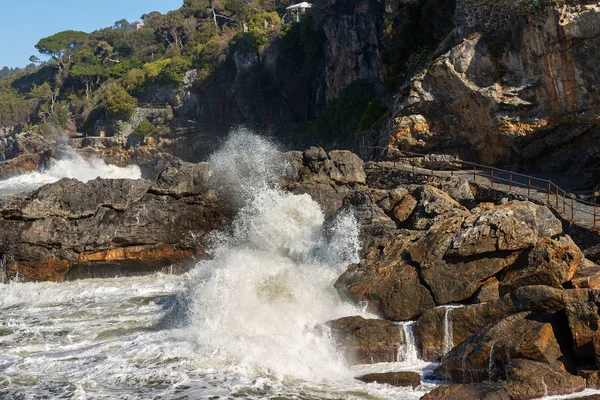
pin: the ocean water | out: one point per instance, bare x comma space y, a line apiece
245, 324
73, 166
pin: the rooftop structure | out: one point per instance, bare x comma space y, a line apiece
297, 10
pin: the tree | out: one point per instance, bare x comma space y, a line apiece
151, 16
34, 60
260, 28
60, 47
106, 53
42, 92
89, 74
120, 103
170, 28
124, 24
195, 8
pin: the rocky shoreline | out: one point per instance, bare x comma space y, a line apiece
503, 298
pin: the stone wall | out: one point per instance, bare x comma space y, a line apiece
491, 17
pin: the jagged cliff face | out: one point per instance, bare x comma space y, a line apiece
511, 86
353, 30
256, 88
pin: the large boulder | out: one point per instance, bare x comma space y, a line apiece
458, 254
552, 262
327, 178
389, 285
403, 272
367, 341
584, 324
523, 380
401, 378
484, 355
440, 329
106, 227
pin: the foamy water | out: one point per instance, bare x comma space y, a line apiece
72, 167
247, 323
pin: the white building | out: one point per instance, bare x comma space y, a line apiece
296, 11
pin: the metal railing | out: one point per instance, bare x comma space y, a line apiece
573, 209
156, 106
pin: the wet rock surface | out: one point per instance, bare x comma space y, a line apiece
366, 341
107, 227
402, 378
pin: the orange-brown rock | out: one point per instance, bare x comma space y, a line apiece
463, 322
20, 165
552, 262
584, 324
587, 276
110, 227
404, 208
523, 380
484, 355
366, 341
592, 378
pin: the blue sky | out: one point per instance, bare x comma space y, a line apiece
24, 22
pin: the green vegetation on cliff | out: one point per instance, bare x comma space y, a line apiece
225, 62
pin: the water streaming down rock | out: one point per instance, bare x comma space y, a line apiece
260, 302
407, 352
3, 269
71, 166
448, 340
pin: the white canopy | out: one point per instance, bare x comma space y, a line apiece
299, 6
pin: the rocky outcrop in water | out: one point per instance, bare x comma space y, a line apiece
110, 227
402, 378
23, 152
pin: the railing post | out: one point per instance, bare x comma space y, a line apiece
556, 197
492, 178
564, 203
572, 208
548, 191
594, 213
510, 187
528, 186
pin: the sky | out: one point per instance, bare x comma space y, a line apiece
24, 22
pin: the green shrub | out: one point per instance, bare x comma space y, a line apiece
262, 27
146, 128
154, 69
135, 79
175, 69
119, 103
375, 109
124, 67
14, 110
42, 92
60, 116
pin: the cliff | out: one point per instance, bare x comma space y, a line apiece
514, 84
